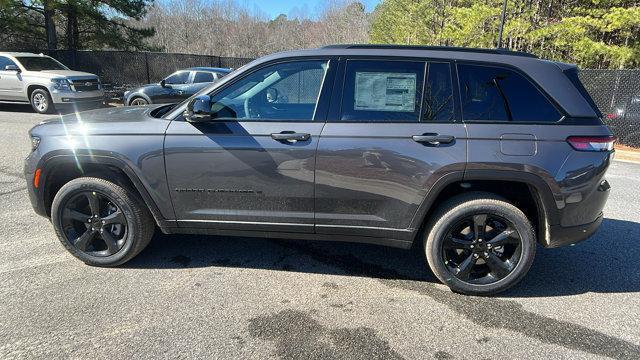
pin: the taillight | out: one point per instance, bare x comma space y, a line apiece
612, 116
591, 143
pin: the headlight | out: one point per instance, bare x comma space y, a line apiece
60, 84
35, 141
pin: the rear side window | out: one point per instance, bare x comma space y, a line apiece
497, 94
203, 77
438, 94
382, 90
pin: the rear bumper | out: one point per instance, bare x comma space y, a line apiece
567, 235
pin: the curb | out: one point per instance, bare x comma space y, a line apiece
627, 156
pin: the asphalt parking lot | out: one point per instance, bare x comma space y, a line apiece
214, 297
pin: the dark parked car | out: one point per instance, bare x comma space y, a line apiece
176, 87
624, 122
474, 155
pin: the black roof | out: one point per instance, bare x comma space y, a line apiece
498, 51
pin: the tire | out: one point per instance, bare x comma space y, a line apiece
41, 101
448, 256
135, 226
138, 101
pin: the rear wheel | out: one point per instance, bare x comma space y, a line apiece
480, 244
41, 101
100, 222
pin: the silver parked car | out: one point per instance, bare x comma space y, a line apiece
46, 83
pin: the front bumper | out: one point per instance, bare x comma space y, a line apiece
37, 201
71, 98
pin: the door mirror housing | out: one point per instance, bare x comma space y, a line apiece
198, 109
12, 68
164, 84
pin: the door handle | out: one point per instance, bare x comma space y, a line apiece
291, 137
433, 139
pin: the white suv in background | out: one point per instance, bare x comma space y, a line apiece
46, 83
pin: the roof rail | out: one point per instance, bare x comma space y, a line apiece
497, 51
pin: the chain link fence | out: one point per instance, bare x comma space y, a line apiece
617, 94
121, 70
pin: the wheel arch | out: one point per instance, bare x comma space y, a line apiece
138, 95
31, 88
60, 169
527, 191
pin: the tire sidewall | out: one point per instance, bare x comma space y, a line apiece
75, 187
146, 102
46, 94
435, 239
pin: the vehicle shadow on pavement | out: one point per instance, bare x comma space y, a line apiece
195, 251
606, 263
23, 108
26, 108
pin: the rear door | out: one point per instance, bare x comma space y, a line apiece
201, 79
252, 168
394, 133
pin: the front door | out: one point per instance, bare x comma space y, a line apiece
252, 166
10, 82
175, 88
392, 137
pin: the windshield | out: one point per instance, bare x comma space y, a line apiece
39, 63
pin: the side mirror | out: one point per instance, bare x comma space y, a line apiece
164, 84
198, 109
12, 68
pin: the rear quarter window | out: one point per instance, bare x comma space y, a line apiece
491, 93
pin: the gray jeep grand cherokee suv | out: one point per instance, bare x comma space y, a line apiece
475, 155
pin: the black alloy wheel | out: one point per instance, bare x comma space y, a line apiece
93, 224
481, 249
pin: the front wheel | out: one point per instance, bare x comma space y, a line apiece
99, 222
138, 102
480, 244
41, 101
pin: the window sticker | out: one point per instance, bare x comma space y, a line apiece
383, 91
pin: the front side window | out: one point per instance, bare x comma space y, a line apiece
40, 63
178, 78
497, 94
285, 91
438, 94
203, 77
382, 90
4, 61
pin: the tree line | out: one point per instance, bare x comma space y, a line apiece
591, 33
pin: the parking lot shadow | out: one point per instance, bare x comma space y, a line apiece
26, 108
23, 108
606, 263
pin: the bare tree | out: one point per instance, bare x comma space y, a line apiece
225, 28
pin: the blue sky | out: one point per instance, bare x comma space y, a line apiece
307, 8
